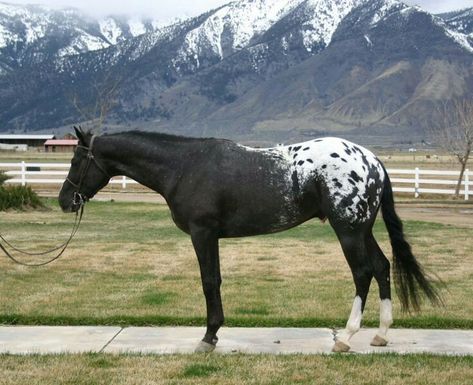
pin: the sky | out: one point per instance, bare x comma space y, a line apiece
169, 9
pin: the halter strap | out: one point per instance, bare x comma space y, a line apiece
90, 158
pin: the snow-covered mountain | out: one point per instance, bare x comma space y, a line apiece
250, 66
461, 21
237, 25
31, 34
460, 26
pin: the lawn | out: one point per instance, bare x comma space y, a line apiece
98, 369
129, 265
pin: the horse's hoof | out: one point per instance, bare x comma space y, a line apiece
379, 341
340, 347
204, 347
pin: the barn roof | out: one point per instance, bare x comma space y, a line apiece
26, 137
61, 142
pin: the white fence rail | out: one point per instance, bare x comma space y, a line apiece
46, 173
429, 182
414, 181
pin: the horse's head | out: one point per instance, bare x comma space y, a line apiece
86, 177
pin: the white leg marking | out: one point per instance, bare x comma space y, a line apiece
354, 322
385, 317
385, 321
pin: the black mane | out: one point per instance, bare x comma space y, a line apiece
159, 136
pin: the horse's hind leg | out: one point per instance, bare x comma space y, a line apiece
381, 269
355, 250
205, 244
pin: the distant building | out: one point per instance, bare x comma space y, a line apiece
69, 136
28, 140
60, 145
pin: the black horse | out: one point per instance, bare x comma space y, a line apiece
219, 189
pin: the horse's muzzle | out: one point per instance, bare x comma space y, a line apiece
74, 205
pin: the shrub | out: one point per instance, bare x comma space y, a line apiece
18, 197
3, 177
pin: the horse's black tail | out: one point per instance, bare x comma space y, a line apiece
409, 277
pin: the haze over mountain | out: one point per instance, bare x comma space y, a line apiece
253, 69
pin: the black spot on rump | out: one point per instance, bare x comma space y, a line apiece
305, 149
356, 148
310, 161
344, 160
290, 149
297, 148
346, 145
356, 177
295, 156
352, 181
338, 185
324, 166
301, 162
348, 151
317, 140
335, 155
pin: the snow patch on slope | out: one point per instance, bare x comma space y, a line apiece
460, 38
111, 30
240, 21
327, 15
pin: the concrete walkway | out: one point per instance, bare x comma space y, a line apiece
169, 340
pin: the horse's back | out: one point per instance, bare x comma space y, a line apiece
327, 177
251, 191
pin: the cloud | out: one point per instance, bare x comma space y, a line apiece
162, 9
438, 6
167, 9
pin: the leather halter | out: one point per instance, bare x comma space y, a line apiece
80, 198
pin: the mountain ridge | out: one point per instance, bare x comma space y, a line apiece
261, 68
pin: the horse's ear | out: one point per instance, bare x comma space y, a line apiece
83, 136
80, 135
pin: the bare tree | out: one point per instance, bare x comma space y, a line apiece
454, 133
103, 98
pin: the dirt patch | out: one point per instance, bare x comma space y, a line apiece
456, 216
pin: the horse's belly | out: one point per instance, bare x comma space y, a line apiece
272, 215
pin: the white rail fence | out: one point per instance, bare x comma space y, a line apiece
46, 173
416, 181
428, 182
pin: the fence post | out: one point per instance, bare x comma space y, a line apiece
124, 182
416, 183
23, 173
467, 182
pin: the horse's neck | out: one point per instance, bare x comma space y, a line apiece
154, 165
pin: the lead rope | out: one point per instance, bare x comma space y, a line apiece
78, 199
62, 247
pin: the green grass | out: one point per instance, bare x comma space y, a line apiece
200, 370
235, 369
130, 265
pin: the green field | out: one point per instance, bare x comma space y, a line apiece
129, 265
99, 369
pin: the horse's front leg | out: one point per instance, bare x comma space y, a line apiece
205, 243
